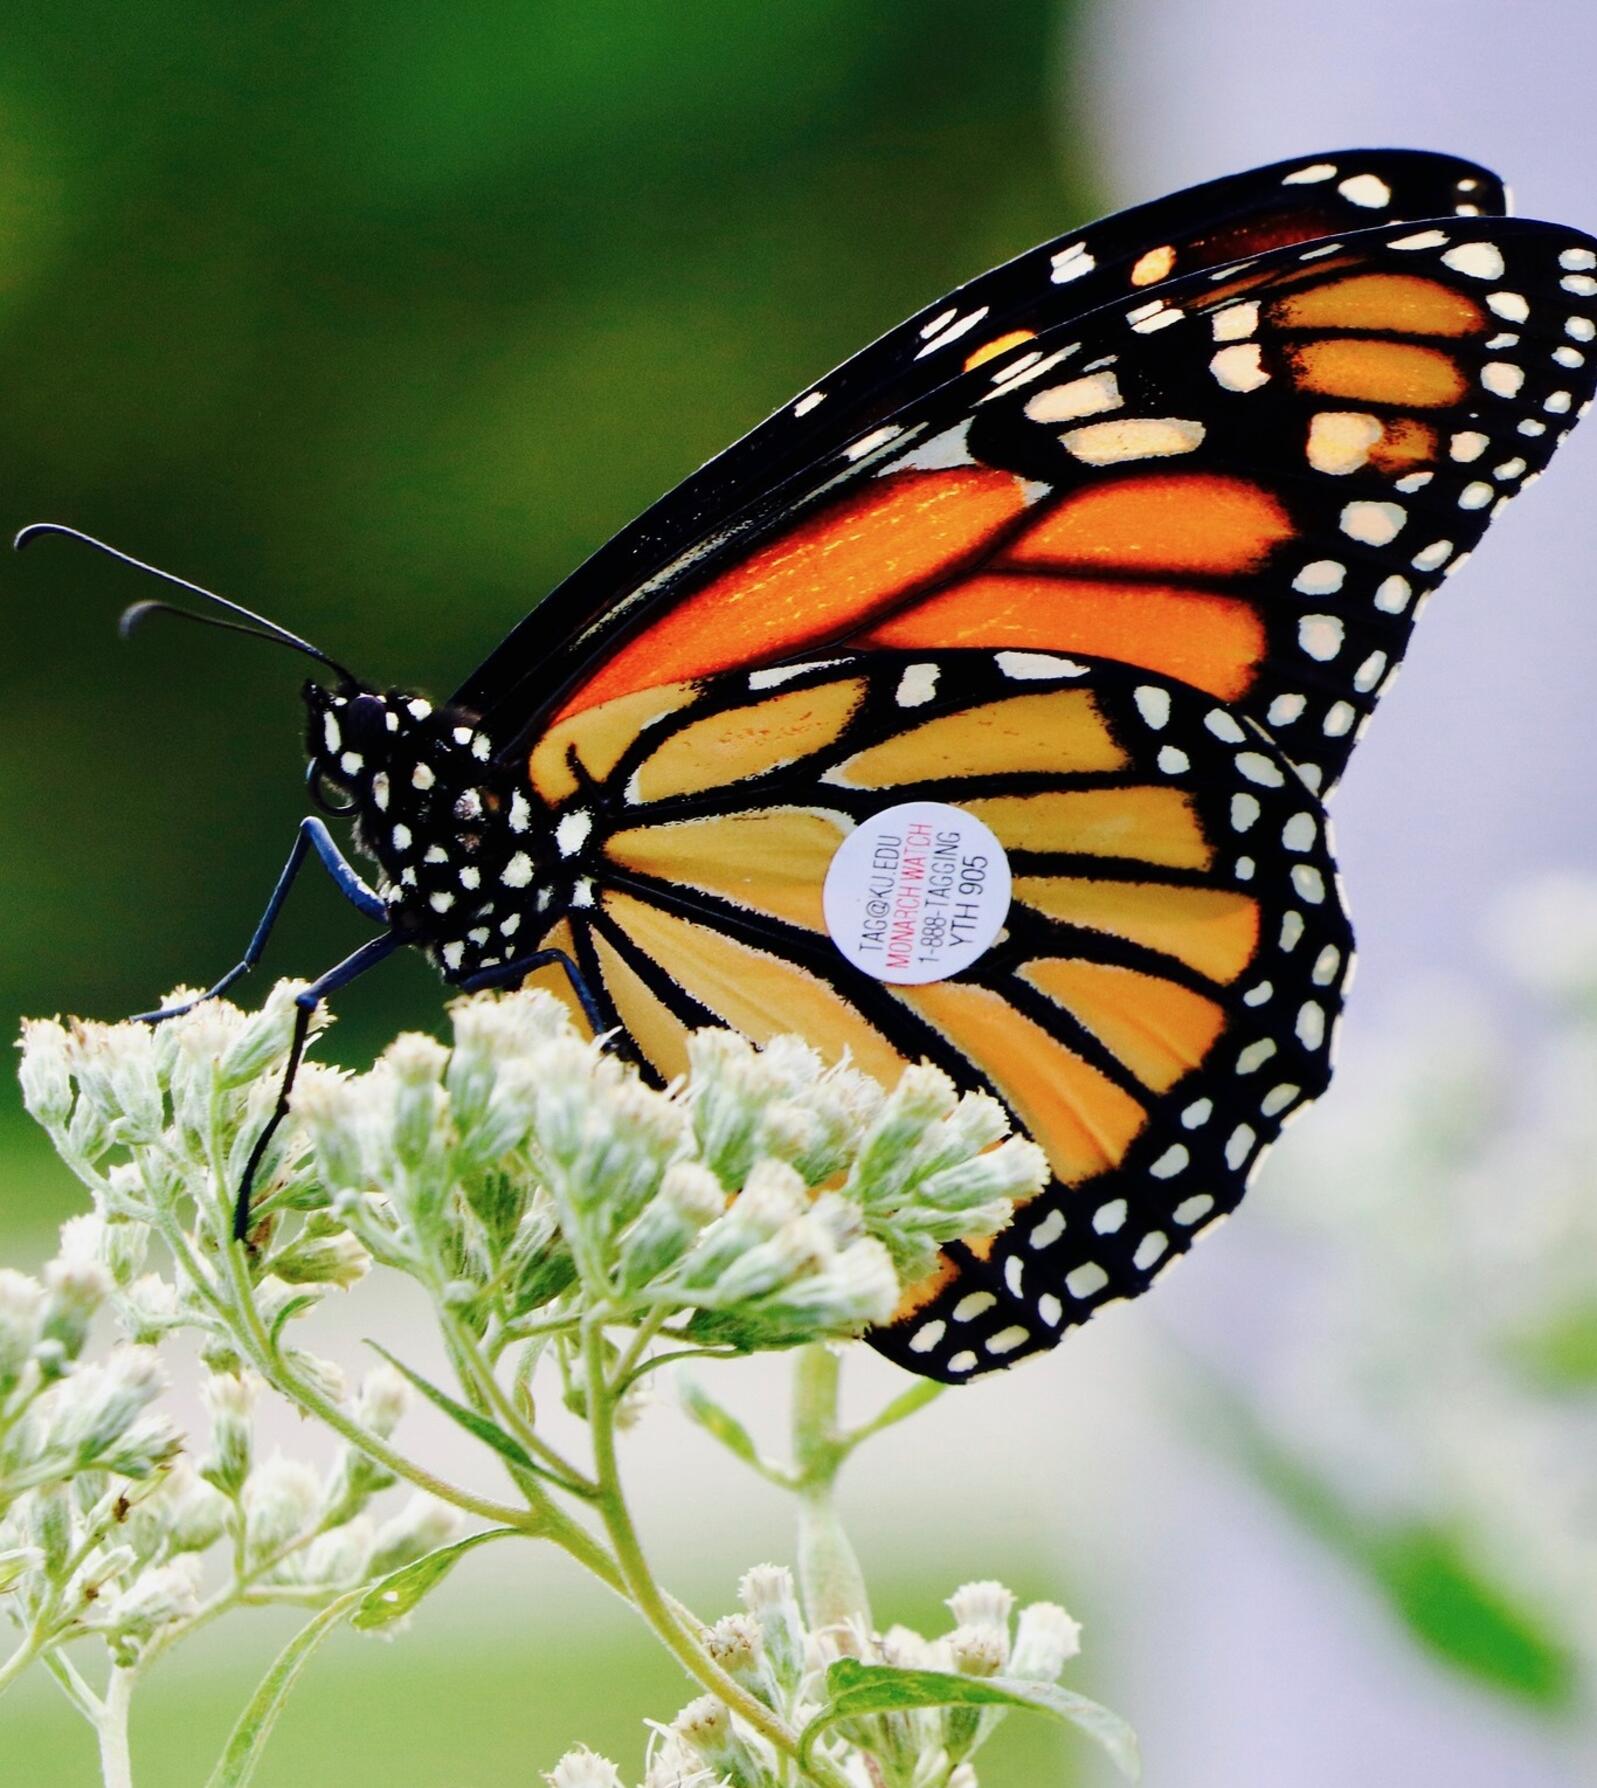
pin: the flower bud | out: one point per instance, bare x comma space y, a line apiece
323, 1253
690, 1197
45, 1072
149, 1309
797, 1251
123, 1247
340, 1557
1017, 1169
583, 1768
734, 1643
21, 1323
857, 1289
281, 1500
704, 1727
50, 1526
767, 1592
976, 1651
135, 1092
230, 1397
193, 1514
417, 1061
265, 1037
330, 1108
1046, 1638
382, 1400
986, 1604
325, 1377
78, 1284
422, 1526
773, 1197
155, 1598
144, 1447
94, 1408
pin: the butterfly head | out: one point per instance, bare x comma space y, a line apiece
380, 750
430, 803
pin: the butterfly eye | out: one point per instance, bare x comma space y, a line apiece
364, 723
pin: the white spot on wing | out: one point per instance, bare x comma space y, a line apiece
1111, 443
1369, 190
1029, 666
1320, 636
1375, 524
1320, 577
878, 437
572, 832
1340, 440
1236, 322
1089, 396
1480, 260
917, 685
1070, 262
1153, 704
1239, 367
1502, 378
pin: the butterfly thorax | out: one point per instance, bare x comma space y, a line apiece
462, 848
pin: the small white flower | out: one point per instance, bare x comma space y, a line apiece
583, 1768
1046, 1638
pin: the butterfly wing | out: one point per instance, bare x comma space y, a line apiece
1161, 997
1124, 590
1248, 483
1303, 200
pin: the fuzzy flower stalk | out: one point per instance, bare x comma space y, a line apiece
573, 1230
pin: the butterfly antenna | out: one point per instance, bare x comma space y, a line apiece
258, 626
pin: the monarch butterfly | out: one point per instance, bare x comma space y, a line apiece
980, 705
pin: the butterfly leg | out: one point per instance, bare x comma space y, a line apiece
367, 956
312, 836
507, 974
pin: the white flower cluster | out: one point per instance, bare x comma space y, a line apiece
108, 1531
766, 1201
542, 1197
768, 1651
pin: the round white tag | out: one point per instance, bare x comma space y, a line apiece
917, 892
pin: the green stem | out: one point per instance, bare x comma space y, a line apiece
116, 1763
72, 1685
645, 1593
268, 1362
831, 1584
478, 1380
19, 1660
642, 1336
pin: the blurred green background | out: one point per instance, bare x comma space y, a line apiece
380, 319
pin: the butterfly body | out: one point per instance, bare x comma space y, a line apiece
1103, 563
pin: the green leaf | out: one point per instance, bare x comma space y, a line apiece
724, 1426
479, 1426
855, 1690
248, 1741
902, 1407
397, 1593
390, 1597
297, 1306
1428, 1572
1475, 1622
